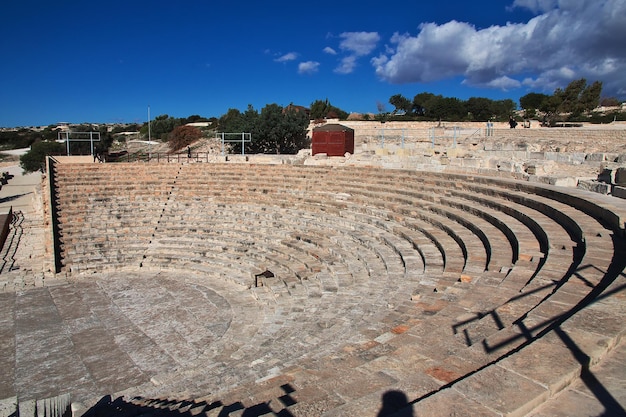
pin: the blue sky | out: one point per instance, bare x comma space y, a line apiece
105, 62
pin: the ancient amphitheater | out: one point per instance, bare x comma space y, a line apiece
266, 286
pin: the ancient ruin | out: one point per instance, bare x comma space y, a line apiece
410, 279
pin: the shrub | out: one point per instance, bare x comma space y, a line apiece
183, 136
35, 158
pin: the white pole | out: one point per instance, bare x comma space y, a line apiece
149, 133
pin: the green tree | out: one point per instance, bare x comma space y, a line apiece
280, 131
35, 158
22, 138
133, 127
532, 101
570, 96
504, 108
83, 146
231, 121
401, 104
323, 109
235, 121
194, 118
447, 108
480, 108
319, 109
550, 107
422, 102
590, 97
161, 127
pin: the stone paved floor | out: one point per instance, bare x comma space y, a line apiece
599, 392
23, 253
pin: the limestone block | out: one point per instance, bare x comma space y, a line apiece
422, 159
382, 151
621, 158
471, 162
8, 407
607, 175
595, 186
27, 408
595, 157
564, 181
547, 362
507, 392
506, 166
505, 146
403, 152
551, 156
541, 179
571, 158
619, 191
620, 176
492, 163
390, 165
452, 152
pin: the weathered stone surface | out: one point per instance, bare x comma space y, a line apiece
620, 176
596, 157
338, 328
450, 402
549, 362
595, 186
8, 407
502, 390
619, 192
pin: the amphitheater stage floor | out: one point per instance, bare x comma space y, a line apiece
106, 333
174, 335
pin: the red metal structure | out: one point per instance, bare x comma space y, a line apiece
333, 139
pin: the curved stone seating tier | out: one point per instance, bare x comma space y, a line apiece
277, 244
415, 281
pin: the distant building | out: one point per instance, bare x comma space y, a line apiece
199, 124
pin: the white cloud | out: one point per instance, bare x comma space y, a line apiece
504, 83
359, 43
330, 51
356, 44
537, 6
287, 57
308, 67
586, 37
346, 65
